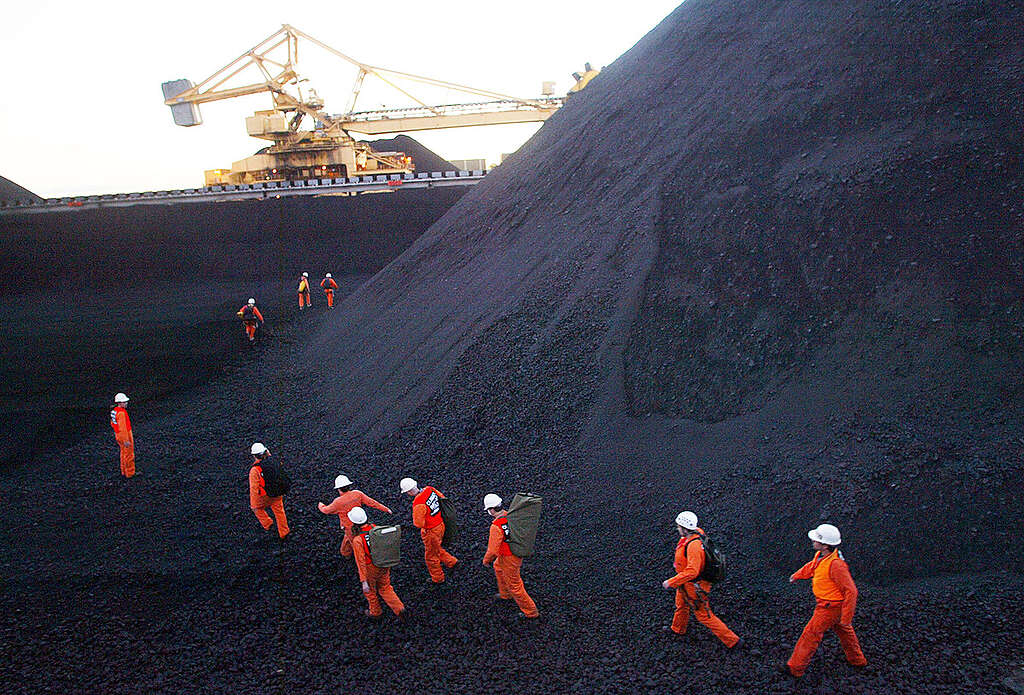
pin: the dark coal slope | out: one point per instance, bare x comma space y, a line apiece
244, 241
143, 299
11, 192
768, 266
424, 158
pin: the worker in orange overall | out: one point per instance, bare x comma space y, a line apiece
348, 499
123, 434
506, 565
375, 581
329, 285
259, 501
691, 591
426, 516
836, 597
250, 316
304, 298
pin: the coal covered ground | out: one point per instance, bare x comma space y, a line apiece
730, 307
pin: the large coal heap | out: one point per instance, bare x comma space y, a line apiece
11, 192
798, 220
246, 240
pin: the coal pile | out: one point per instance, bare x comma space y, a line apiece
12, 193
423, 158
145, 297
765, 267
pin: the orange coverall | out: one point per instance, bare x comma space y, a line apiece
507, 567
342, 505
259, 501
250, 323
836, 596
304, 293
125, 439
329, 286
426, 516
378, 579
688, 563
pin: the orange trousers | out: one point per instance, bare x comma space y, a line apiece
510, 583
688, 601
277, 506
250, 330
127, 458
380, 585
434, 555
330, 298
305, 299
826, 617
346, 543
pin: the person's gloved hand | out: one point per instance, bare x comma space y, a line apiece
366, 588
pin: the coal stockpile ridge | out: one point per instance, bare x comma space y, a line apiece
423, 158
11, 192
244, 240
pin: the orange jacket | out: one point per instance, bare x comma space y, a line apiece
426, 509
257, 491
328, 284
496, 543
831, 582
361, 552
121, 424
255, 312
688, 560
346, 501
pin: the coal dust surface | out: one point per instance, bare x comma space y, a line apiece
767, 266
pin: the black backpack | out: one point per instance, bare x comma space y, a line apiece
275, 480
451, 523
714, 561
248, 314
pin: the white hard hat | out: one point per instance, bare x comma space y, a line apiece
688, 520
328, 275
826, 533
341, 481
252, 300
305, 275
491, 501
257, 449
120, 398
356, 515
407, 484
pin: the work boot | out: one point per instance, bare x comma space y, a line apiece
499, 597
669, 632
739, 645
371, 616
783, 668
403, 615
526, 619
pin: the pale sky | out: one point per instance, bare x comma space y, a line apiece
84, 113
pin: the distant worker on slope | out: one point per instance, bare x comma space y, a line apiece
426, 516
507, 567
376, 581
267, 489
836, 597
691, 588
123, 434
250, 316
348, 499
304, 298
329, 285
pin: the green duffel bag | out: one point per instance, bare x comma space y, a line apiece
451, 522
523, 520
385, 545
